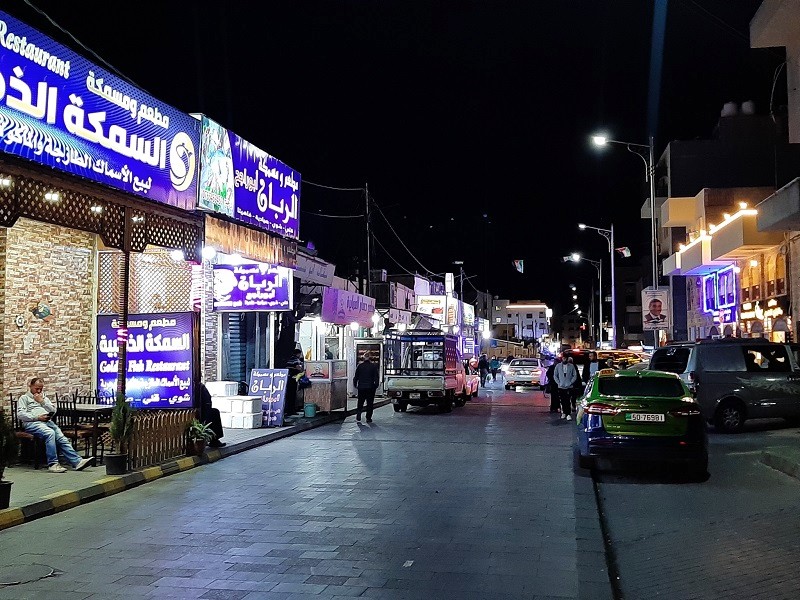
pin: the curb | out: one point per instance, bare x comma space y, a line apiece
781, 463
108, 486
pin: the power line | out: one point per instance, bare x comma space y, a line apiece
331, 187
385, 218
308, 212
377, 241
82, 45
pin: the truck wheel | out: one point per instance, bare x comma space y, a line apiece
403, 407
461, 401
446, 406
396, 407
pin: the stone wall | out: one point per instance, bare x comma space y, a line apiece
53, 267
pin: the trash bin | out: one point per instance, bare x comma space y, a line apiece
309, 409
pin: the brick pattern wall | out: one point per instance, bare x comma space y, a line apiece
3, 262
55, 266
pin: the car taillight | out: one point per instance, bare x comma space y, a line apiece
601, 409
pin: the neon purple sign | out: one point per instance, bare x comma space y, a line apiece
252, 287
242, 181
719, 290
159, 359
60, 110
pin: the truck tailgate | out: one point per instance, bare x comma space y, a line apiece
414, 382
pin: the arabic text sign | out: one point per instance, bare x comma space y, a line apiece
159, 359
252, 287
341, 307
270, 384
60, 110
242, 181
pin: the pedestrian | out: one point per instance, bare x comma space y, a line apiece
366, 381
211, 415
494, 367
483, 367
590, 368
36, 412
296, 365
577, 387
565, 375
552, 386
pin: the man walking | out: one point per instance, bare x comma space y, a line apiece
366, 381
483, 367
565, 375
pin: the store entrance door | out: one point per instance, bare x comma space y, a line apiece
245, 344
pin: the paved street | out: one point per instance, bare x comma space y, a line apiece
478, 503
733, 536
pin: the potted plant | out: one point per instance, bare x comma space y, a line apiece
9, 447
121, 431
200, 434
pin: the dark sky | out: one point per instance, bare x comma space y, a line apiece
449, 110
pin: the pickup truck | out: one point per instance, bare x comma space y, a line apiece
424, 367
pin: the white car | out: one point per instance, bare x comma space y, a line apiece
524, 371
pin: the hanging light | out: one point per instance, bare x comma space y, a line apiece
176, 255
354, 326
209, 252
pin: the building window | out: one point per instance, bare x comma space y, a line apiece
509, 315
529, 316
497, 319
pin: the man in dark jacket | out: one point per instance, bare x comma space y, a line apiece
366, 381
552, 387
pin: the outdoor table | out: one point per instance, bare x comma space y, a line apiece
97, 411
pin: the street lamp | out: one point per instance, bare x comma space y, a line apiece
598, 264
609, 235
638, 150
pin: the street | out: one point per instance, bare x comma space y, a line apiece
732, 536
478, 503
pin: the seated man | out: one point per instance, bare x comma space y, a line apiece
36, 411
210, 415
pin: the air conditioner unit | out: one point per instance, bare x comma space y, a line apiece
377, 275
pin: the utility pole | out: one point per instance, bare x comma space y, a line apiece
369, 242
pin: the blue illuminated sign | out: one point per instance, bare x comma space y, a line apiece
720, 290
60, 110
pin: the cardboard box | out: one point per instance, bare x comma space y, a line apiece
227, 421
222, 388
246, 421
245, 405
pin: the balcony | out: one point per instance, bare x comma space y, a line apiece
738, 237
781, 211
696, 258
678, 212
671, 265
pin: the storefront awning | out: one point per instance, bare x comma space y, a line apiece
738, 237
231, 238
341, 307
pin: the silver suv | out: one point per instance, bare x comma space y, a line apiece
736, 379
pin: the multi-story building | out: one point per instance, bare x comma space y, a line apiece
530, 318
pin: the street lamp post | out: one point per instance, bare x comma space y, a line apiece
598, 264
638, 150
609, 235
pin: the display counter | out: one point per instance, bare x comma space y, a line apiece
328, 384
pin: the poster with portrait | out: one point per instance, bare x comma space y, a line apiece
656, 309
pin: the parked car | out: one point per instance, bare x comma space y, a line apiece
524, 371
736, 379
641, 415
622, 359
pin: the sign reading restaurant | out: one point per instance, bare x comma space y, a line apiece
243, 182
60, 110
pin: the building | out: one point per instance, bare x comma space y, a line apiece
530, 319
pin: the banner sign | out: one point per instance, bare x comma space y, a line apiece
245, 183
341, 307
437, 305
656, 309
159, 359
318, 369
314, 270
252, 287
60, 110
270, 384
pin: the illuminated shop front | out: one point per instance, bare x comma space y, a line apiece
767, 319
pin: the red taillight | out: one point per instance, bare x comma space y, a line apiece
601, 409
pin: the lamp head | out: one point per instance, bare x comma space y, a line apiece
575, 257
581, 225
599, 140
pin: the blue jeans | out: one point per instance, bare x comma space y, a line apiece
54, 440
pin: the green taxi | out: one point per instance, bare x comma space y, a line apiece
642, 416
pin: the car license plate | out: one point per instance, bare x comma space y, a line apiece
414, 395
645, 417
524, 372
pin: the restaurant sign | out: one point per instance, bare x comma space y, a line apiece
60, 110
270, 385
159, 359
252, 287
341, 307
764, 309
243, 182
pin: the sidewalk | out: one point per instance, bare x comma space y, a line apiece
38, 493
783, 458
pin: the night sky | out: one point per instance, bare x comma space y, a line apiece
469, 120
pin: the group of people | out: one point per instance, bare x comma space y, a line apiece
486, 367
565, 384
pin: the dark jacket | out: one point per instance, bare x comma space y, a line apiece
483, 364
366, 376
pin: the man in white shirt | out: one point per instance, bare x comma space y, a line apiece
565, 375
36, 412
